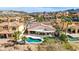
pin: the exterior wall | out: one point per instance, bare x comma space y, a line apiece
1, 28
21, 28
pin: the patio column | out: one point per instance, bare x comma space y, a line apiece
37, 33
7, 35
45, 33
76, 30
28, 32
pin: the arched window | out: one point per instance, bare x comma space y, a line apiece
69, 30
73, 31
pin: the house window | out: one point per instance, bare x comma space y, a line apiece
3, 36
12, 20
69, 30
5, 27
9, 35
78, 30
32, 32
13, 28
73, 31
47, 33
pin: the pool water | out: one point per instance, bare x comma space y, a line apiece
70, 38
29, 39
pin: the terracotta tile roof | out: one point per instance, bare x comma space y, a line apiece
10, 24
6, 32
41, 27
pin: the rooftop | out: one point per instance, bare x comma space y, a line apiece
10, 23
41, 27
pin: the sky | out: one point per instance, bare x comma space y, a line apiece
37, 9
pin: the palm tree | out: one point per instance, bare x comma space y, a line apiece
40, 18
26, 23
68, 21
26, 26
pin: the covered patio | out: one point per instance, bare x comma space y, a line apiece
39, 32
74, 29
40, 29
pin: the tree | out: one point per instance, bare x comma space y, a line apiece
16, 35
63, 37
65, 42
62, 22
40, 18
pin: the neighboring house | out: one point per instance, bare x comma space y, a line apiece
8, 25
73, 30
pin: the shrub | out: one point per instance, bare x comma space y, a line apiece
16, 35
48, 40
67, 46
63, 37
24, 38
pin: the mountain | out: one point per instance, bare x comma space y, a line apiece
11, 13
72, 10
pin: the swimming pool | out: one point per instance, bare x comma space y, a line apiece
33, 40
70, 38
